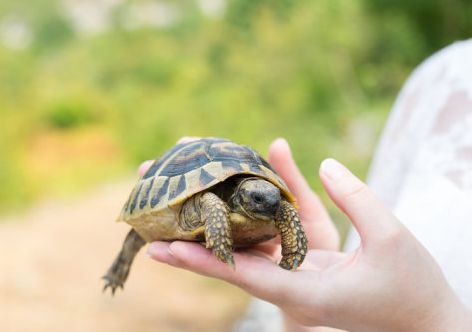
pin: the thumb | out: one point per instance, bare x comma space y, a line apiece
371, 218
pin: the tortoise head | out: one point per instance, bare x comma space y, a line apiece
256, 198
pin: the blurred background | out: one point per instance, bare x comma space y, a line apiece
90, 88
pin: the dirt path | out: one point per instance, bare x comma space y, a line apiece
52, 259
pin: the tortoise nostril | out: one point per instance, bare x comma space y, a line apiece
258, 198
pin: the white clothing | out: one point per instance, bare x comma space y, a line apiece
422, 170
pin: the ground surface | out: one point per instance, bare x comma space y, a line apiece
53, 257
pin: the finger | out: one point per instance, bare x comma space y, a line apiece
187, 139
255, 274
281, 159
144, 167
370, 217
159, 250
316, 221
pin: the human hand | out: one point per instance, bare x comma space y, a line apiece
390, 283
317, 224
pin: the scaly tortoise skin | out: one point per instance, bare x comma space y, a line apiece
213, 191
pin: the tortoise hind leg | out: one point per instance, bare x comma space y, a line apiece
119, 270
217, 227
293, 238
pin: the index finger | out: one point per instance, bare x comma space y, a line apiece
320, 229
374, 222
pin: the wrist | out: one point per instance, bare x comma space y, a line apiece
451, 316
457, 319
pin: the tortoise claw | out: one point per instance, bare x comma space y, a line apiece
118, 272
225, 257
291, 262
112, 283
230, 261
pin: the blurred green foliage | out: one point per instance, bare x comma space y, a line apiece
321, 73
68, 114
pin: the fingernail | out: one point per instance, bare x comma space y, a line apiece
333, 169
158, 250
283, 141
151, 249
280, 139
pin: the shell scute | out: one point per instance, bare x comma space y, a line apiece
159, 162
135, 198
161, 191
205, 177
177, 186
145, 196
187, 159
189, 168
232, 165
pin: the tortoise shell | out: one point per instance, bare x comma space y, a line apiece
189, 168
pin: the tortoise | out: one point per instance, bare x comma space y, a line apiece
212, 191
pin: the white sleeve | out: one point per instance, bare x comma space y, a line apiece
422, 168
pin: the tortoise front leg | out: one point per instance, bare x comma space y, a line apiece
293, 238
215, 215
119, 270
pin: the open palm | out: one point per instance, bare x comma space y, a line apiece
390, 283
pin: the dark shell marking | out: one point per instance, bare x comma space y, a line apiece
192, 167
145, 197
205, 178
160, 193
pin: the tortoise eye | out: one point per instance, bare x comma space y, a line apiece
257, 197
